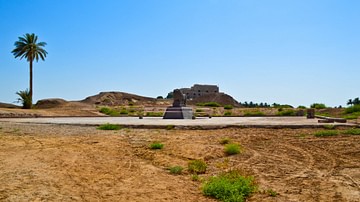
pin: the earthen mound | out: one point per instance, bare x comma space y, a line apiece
221, 98
118, 98
51, 103
6, 105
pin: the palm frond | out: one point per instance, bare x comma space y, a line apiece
25, 98
27, 47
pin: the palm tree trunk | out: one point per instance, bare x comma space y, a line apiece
31, 80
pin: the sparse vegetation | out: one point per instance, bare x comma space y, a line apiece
272, 193
176, 170
326, 114
199, 110
170, 127
109, 111
156, 145
288, 112
227, 113
124, 111
195, 177
155, 114
197, 166
254, 113
326, 133
208, 104
329, 127
228, 107
109, 126
232, 148
353, 131
352, 112
230, 186
225, 140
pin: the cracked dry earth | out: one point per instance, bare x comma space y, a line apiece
74, 163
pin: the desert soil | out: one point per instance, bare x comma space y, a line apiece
74, 163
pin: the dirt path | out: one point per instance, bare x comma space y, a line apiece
72, 163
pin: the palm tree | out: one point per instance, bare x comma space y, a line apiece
350, 102
27, 47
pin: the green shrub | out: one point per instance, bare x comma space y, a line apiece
154, 114
176, 170
325, 133
227, 113
109, 111
170, 127
352, 116
288, 112
254, 113
104, 110
209, 104
197, 166
231, 149
352, 112
225, 140
352, 109
326, 114
124, 111
353, 131
109, 126
229, 186
25, 99
318, 106
329, 127
301, 107
199, 110
228, 107
272, 193
156, 145
282, 106
195, 177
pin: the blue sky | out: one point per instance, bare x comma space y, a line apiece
286, 51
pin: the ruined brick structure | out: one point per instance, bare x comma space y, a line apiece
198, 90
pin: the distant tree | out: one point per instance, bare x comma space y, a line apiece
275, 104
318, 106
160, 97
251, 104
350, 102
170, 95
356, 101
28, 47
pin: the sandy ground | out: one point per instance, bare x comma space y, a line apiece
45, 162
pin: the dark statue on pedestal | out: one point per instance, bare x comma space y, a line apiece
178, 109
179, 99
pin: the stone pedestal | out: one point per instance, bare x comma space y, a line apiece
178, 113
310, 113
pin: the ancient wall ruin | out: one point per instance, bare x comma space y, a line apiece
198, 90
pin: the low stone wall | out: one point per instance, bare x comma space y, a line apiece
18, 115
